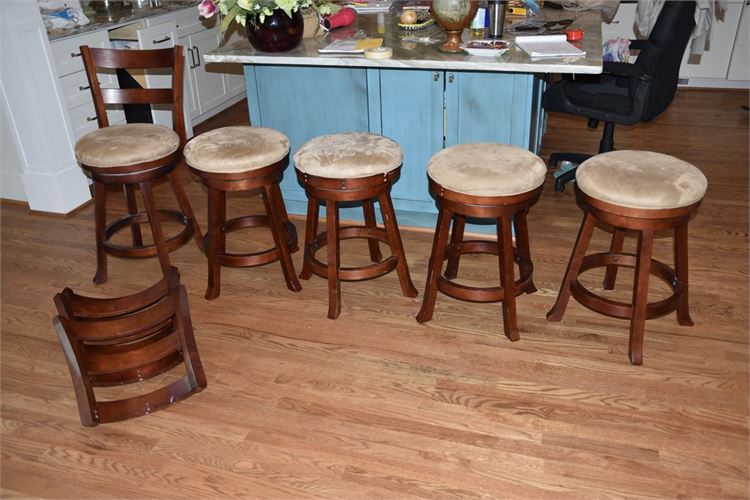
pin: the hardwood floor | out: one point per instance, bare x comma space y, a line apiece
375, 405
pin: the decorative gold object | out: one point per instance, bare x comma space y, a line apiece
453, 16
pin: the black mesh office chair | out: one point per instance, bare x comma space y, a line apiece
626, 93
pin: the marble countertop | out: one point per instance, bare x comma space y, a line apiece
414, 54
118, 13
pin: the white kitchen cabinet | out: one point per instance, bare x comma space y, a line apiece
209, 88
710, 69
714, 62
739, 64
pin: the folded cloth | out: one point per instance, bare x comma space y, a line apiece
616, 50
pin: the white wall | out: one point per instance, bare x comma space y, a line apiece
11, 187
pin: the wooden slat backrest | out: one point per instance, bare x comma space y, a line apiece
172, 58
72, 306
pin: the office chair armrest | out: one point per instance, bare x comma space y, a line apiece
626, 70
638, 44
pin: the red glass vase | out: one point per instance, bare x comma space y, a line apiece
277, 33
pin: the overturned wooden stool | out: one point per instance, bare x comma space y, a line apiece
109, 342
351, 167
243, 158
641, 192
486, 181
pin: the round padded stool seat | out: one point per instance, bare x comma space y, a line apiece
641, 179
487, 169
236, 149
348, 156
124, 145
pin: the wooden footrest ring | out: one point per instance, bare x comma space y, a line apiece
255, 258
486, 294
624, 310
358, 273
140, 252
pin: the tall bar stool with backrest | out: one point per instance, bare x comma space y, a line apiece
136, 154
641, 192
351, 167
240, 159
487, 181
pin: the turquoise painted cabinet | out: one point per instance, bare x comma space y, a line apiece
423, 110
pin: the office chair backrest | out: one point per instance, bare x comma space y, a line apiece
662, 56
171, 58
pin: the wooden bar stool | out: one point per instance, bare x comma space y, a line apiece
641, 192
136, 154
240, 159
351, 167
483, 180
111, 342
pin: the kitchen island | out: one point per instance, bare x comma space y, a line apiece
422, 98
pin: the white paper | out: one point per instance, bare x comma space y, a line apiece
548, 46
347, 46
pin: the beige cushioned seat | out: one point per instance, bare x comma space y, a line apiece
236, 149
641, 179
348, 155
487, 169
123, 145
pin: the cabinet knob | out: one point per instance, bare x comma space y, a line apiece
75, 54
83, 87
435, 76
91, 118
197, 57
450, 77
166, 38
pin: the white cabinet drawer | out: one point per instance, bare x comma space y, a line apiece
67, 52
76, 89
83, 119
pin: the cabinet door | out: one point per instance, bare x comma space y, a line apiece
160, 36
622, 25
488, 107
411, 103
739, 65
235, 79
210, 87
714, 62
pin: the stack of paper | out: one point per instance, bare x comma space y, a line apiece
351, 46
365, 6
541, 46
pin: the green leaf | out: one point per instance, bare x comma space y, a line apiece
231, 14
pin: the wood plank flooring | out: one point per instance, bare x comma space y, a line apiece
374, 405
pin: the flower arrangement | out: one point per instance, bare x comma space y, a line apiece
257, 10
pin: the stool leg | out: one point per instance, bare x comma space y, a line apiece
184, 203
371, 223
100, 228
439, 243
155, 223
618, 238
640, 295
135, 229
281, 210
576, 258
681, 271
397, 246
334, 282
217, 210
522, 242
270, 200
311, 230
457, 237
507, 277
